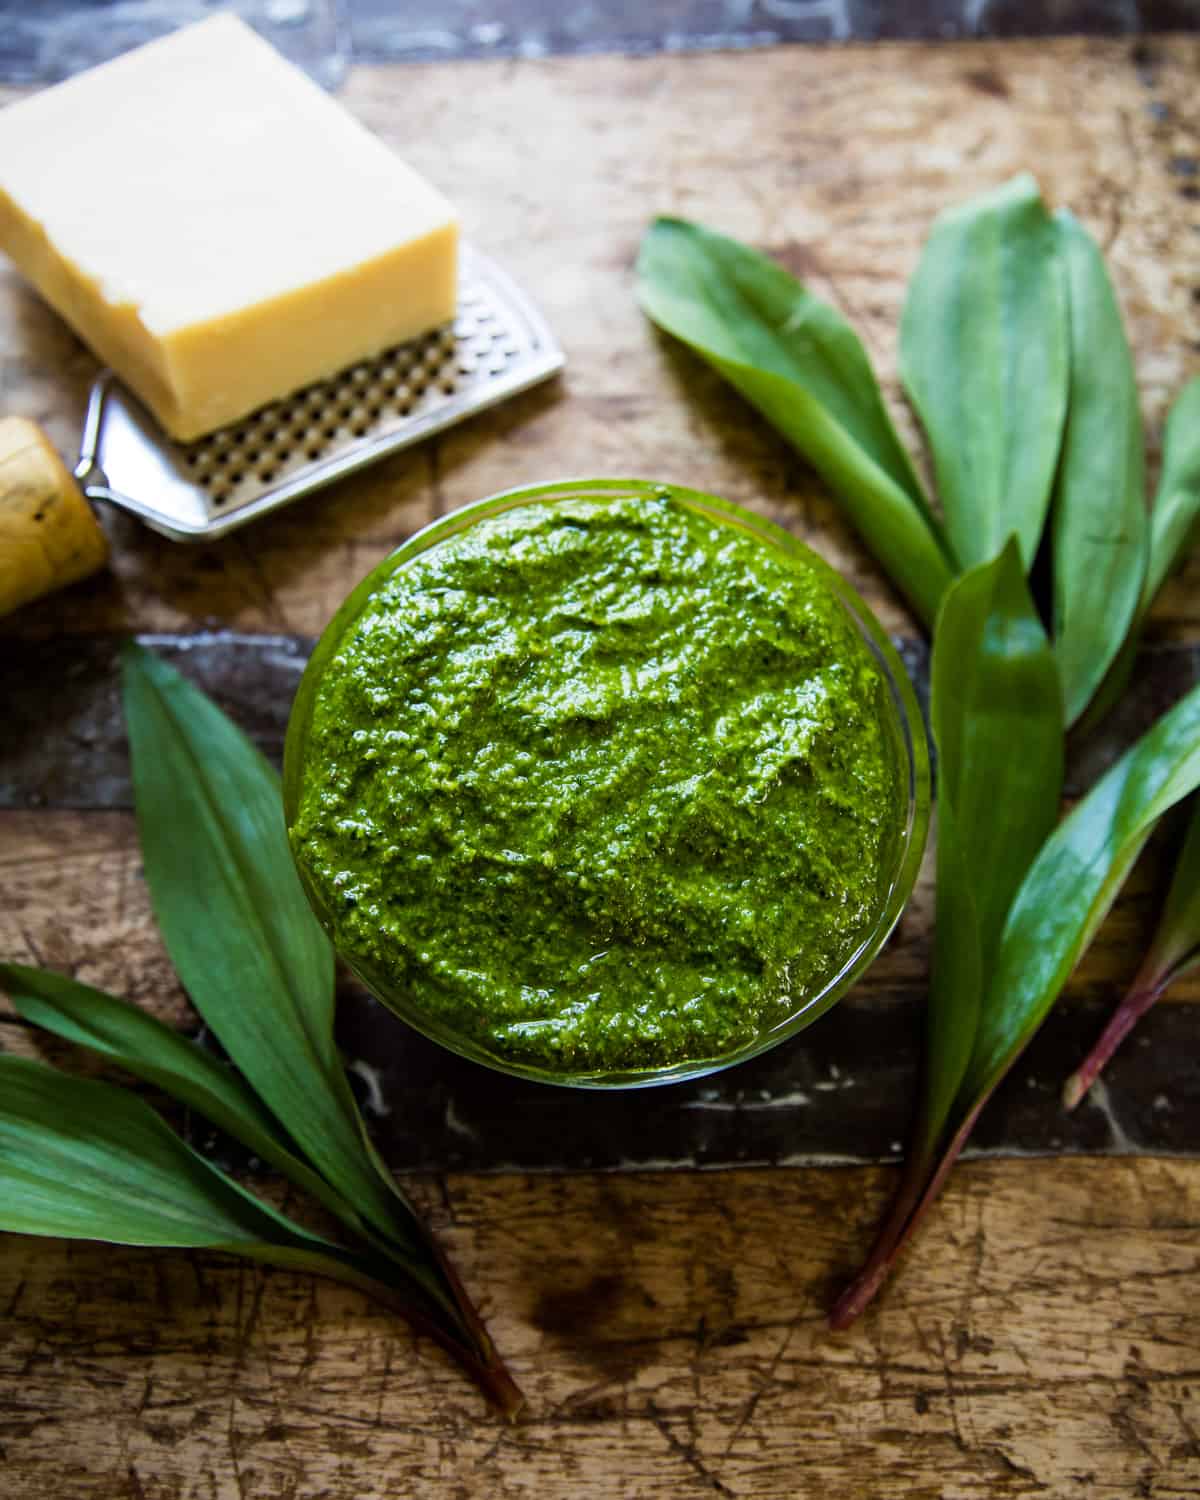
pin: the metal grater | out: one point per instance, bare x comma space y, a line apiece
498, 345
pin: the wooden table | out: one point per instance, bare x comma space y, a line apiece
667, 1326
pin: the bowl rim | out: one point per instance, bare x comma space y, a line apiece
907, 726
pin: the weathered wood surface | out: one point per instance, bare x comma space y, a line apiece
1042, 1342
1043, 1339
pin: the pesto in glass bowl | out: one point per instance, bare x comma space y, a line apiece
606, 783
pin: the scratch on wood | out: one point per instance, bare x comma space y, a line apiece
687, 1452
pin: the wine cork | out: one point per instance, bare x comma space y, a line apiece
49, 536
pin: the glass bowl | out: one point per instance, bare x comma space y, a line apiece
899, 713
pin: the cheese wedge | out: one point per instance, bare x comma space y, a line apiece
217, 228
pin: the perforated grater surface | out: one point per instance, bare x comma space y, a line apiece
498, 345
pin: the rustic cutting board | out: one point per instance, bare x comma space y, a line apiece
666, 1325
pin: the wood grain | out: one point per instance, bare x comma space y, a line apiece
1043, 1339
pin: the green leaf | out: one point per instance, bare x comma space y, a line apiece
1074, 881
1177, 501
984, 358
1061, 902
1100, 524
1175, 947
1174, 950
153, 1052
795, 359
993, 686
236, 922
81, 1159
87, 1160
255, 962
997, 722
955, 991
1171, 534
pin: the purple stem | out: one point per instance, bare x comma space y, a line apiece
1138, 1000
891, 1233
901, 1225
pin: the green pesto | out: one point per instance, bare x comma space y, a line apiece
600, 785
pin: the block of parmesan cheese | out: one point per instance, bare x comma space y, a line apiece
217, 228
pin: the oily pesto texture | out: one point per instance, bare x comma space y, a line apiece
600, 785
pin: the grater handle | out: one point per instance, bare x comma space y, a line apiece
49, 536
